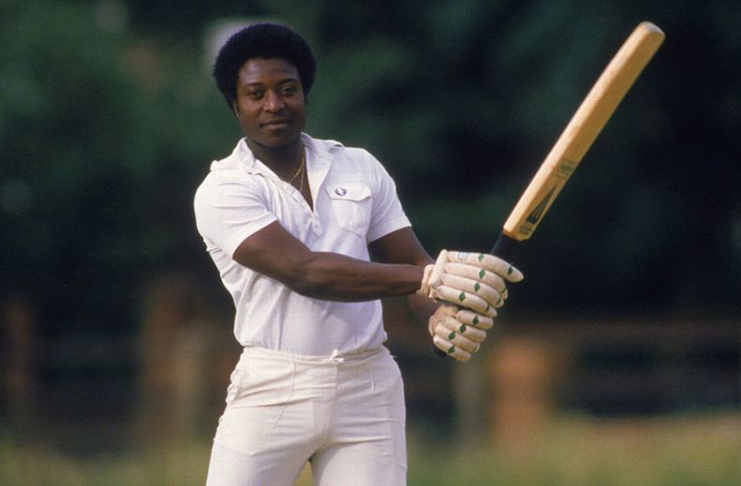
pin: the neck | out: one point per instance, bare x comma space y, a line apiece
282, 160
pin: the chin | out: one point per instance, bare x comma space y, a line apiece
277, 142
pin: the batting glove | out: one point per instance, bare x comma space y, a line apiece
475, 281
458, 332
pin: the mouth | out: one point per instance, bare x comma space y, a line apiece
277, 124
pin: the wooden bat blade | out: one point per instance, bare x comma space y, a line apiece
582, 130
577, 138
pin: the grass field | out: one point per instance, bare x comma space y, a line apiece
575, 451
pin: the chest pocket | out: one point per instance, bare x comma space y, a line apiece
351, 204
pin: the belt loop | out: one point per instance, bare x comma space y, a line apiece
336, 356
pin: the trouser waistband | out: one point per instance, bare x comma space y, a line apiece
335, 357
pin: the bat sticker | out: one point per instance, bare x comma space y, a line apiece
537, 213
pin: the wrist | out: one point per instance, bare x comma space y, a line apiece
424, 285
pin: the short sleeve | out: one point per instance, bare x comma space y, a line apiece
387, 214
228, 210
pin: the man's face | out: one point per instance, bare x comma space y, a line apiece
270, 102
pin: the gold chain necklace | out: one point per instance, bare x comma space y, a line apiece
300, 170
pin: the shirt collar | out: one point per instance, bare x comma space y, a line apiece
249, 162
318, 160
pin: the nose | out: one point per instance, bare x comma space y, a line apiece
273, 102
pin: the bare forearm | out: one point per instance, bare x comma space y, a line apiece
331, 276
422, 307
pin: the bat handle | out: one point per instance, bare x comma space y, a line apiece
505, 248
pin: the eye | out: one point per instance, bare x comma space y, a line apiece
289, 90
255, 94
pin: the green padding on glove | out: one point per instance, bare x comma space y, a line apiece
458, 333
475, 281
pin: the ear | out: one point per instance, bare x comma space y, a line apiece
235, 109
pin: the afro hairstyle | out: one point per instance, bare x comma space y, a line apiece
262, 41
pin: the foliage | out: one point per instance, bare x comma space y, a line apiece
100, 163
107, 126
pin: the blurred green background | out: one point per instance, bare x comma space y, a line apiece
116, 331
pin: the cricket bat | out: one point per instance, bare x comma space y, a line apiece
577, 138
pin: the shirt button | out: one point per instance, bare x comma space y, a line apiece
316, 227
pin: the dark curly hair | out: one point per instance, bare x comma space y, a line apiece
264, 41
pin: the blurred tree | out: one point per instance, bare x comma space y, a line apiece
100, 161
108, 119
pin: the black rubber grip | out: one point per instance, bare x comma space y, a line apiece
505, 248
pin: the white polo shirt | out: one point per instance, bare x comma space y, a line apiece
355, 202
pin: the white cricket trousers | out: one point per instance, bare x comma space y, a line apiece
344, 414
